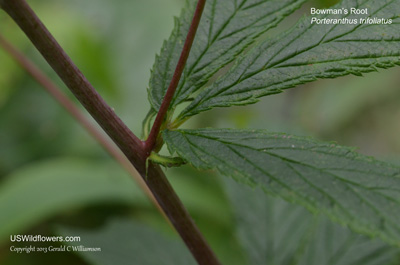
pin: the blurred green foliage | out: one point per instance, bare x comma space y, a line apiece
114, 44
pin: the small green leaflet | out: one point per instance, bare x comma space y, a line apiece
274, 232
349, 188
227, 27
166, 161
306, 53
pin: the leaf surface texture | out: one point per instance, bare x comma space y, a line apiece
351, 189
273, 231
225, 30
306, 53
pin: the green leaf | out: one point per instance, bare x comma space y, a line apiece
226, 29
273, 231
351, 189
127, 242
42, 190
306, 53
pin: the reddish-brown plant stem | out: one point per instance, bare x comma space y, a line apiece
130, 145
75, 112
162, 112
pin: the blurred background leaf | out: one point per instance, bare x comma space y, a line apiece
275, 232
48, 188
150, 247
